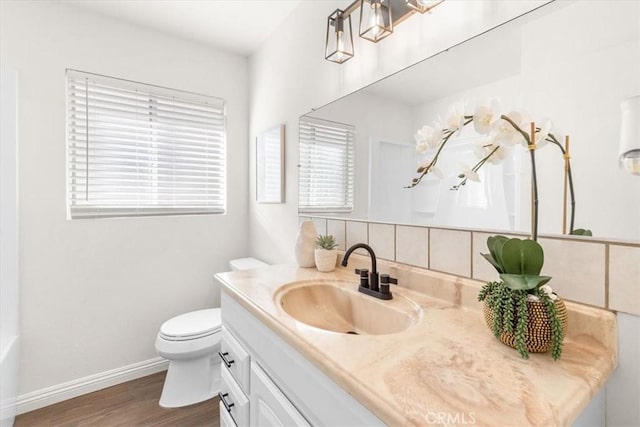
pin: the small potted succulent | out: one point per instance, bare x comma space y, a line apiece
325, 254
521, 309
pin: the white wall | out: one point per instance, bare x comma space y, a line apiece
94, 292
9, 290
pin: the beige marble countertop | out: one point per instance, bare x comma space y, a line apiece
448, 368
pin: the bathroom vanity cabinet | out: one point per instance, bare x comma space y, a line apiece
444, 365
266, 382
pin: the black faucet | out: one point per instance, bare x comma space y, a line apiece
369, 280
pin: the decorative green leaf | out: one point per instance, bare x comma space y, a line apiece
533, 257
493, 262
581, 232
513, 256
492, 241
523, 282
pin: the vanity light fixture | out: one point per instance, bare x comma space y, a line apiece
377, 19
339, 43
423, 6
630, 135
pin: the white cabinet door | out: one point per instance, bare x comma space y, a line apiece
269, 407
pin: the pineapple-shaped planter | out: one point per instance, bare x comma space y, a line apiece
521, 310
539, 336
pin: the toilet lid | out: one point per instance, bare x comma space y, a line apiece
195, 324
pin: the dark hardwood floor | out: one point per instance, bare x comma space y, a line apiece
134, 403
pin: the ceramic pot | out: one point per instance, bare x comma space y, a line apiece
306, 244
326, 259
538, 327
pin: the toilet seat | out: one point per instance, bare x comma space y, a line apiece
191, 326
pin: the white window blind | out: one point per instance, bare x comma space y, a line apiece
136, 149
326, 167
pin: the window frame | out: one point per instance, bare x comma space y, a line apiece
206, 180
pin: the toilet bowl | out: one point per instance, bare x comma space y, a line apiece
191, 342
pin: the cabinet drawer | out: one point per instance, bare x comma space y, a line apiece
225, 417
236, 359
233, 400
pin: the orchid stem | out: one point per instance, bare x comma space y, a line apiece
534, 184
426, 170
476, 167
551, 138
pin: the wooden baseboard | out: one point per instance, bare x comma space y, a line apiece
57, 393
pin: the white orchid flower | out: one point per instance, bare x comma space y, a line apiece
485, 117
501, 153
455, 118
487, 147
429, 137
421, 147
541, 135
504, 133
469, 173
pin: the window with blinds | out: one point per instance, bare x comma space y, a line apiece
326, 169
135, 149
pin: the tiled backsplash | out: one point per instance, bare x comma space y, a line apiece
600, 273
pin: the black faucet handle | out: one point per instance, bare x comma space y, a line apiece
364, 277
386, 279
363, 272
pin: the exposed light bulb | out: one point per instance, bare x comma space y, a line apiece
631, 162
376, 22
630, 135
340, 45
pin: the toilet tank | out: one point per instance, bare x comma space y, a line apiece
246, 263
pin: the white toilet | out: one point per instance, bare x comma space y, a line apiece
191, 342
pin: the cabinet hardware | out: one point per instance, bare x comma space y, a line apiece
224, 359
227, 406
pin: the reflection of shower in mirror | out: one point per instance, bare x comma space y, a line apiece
490, 203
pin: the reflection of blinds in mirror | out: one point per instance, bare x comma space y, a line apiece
326, 169
137, 149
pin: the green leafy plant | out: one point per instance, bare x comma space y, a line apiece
519, 263
581, 232
327, 242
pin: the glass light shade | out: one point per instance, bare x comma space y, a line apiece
630, 135
375, 20
339, 43
423, 6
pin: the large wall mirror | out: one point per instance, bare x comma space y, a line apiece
571, 62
